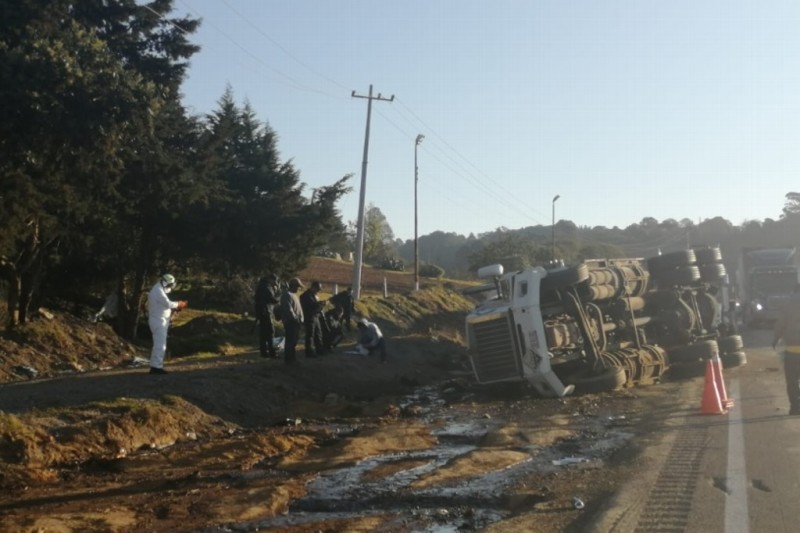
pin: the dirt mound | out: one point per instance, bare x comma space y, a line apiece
34, 447
57, 343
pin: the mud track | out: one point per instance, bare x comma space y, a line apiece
340, 443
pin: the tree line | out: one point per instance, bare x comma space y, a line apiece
106, 178
461, 255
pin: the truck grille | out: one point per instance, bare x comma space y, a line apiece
494, 353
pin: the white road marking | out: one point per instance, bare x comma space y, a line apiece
737, 519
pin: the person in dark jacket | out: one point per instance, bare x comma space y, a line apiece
291, 313
266, 297
312, 309
344, 300
788, 328
332, 333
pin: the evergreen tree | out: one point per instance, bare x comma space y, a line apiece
258, 219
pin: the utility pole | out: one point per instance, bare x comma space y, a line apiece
553, 251
416, 238
360, 233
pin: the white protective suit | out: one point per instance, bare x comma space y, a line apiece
159, 310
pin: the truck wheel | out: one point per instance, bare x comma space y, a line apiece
681, 356
558, 279
609, 380
730, 344
713, 272
708, 254
693, 352
672, 260
694, 369
685, 275
733, 359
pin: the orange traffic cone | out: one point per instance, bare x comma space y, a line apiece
712, 403
720, 381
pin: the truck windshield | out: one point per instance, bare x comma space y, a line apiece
775, 283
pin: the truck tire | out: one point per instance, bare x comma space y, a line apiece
733, 359
713, 272
609, 380
693, 352
685, 275
730, 344
671, 260
707, 255
694, 369
558, 279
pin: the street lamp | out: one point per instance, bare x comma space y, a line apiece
416, 242
553, 254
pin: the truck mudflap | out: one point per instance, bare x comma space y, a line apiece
540, 375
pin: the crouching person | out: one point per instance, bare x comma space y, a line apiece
371, 339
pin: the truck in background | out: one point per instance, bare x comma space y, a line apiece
763, 277
601, 324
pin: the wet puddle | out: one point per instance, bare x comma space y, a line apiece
458, 484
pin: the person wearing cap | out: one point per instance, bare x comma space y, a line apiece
159, 312
266, 296
312, 309
291, 313
371, 338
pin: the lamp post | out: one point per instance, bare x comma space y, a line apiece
553, 253
416, 241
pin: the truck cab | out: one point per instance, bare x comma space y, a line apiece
765, 277
598, 325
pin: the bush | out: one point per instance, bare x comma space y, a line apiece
234, 294
431, 271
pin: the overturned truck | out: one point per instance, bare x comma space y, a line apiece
602, 324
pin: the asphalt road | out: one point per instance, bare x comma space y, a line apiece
737, 472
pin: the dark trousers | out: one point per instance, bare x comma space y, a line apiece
380, 349
266, 336
292, 332
345, 317
791, 370
314, 337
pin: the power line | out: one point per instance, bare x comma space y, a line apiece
296, 84
500, 186
468, 176
282, 49
464, 173
164, 18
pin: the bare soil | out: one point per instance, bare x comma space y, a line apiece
225, 442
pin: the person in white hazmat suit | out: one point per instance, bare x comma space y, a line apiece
159, 311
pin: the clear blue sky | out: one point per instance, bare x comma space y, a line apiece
626, 109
